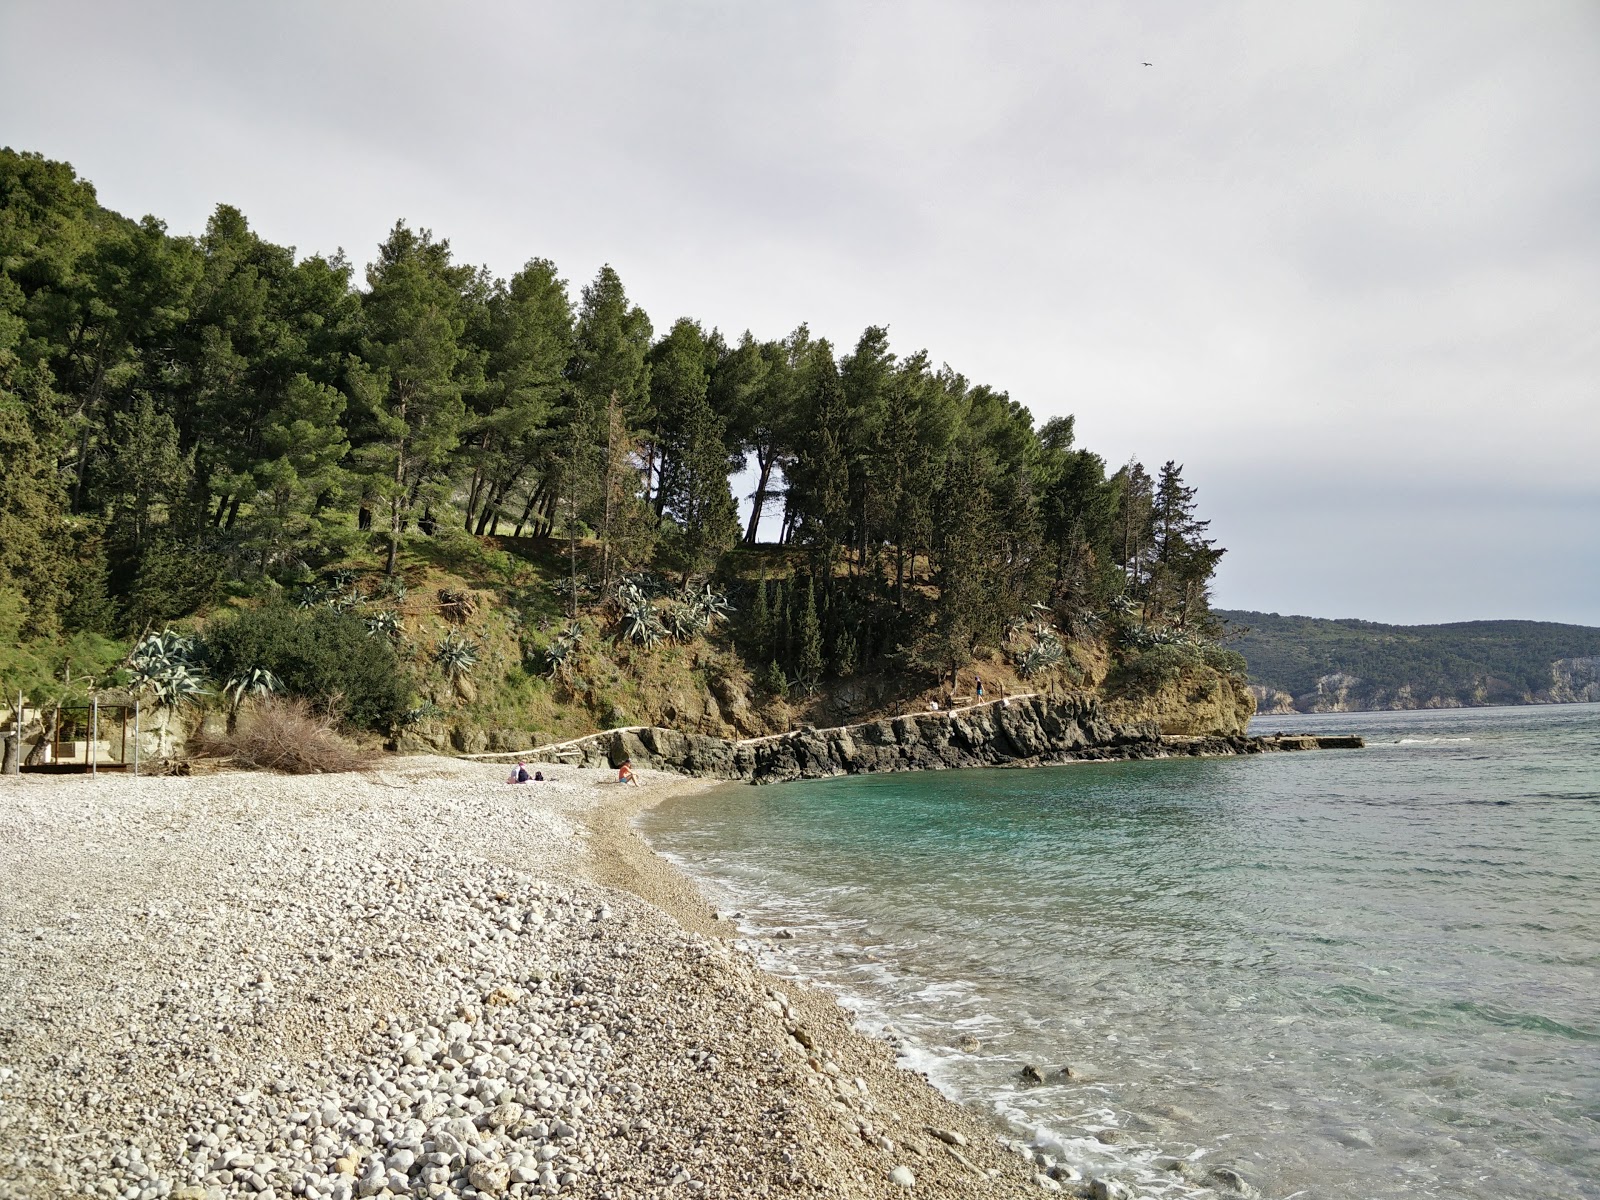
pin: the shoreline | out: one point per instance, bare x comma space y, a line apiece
621, 857
421, 982
1024, 731
681, 895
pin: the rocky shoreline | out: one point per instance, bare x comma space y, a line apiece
420, 982
1024, 731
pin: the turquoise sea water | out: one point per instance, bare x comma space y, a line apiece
1343, 974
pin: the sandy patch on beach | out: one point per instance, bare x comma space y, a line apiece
422, 982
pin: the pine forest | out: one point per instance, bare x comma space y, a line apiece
439, 504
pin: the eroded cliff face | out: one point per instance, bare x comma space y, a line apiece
1271, 701
1575, 680
1201, 702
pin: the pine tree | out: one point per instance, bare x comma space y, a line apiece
511, 433
31, 527
298, 473
1184, 559
758, 627
610, 343
844, 654
1132, 526
808, 639
690, 449
971, 599
626, 523
781, 631
146, 475
415, 319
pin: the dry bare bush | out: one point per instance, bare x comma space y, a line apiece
456, 604
287, 736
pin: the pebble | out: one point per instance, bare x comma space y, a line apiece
345, 988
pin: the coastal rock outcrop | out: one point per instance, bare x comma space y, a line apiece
1271, 701
1575, 680
1197, 701
1024, 732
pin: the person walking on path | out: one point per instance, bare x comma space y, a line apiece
977, 684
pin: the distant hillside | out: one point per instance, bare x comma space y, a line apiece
1311, 664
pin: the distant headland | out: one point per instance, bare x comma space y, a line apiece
1313, 664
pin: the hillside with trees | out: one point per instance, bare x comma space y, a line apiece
222, 463
1309, 664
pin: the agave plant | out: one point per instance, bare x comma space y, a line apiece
646, 583
254, 683
384, 624
630, 594
708, 605
641, 625
426, 711
639, 622
257, 681
393, 588
681, 622
456, 654
165, 666
310, 595
558, 654
1045, 653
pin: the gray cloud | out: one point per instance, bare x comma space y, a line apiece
1341, 260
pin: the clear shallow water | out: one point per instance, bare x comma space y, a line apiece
1344, 974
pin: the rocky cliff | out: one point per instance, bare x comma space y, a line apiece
1575, 680
1199, 702
1572, 680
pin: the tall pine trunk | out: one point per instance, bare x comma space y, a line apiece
759, 497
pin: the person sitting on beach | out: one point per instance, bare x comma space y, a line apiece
625, 774
519, 774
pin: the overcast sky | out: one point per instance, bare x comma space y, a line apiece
1341, 260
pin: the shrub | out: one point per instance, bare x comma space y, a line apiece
1153, 669
317, 654
773, 680
286, 736
1228, 662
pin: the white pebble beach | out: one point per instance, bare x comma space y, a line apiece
420, 981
